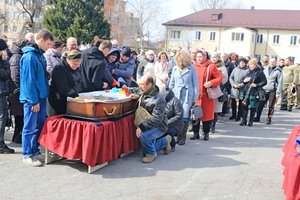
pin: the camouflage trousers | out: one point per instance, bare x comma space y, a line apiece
288, 98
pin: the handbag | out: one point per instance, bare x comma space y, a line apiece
141, 115
261, 94
213, 93
196, 112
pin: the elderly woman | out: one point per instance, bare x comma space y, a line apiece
238, 88
184, 83
205, 71
216, 59
254, 80
66, 82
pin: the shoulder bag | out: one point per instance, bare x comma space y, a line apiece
141, 115
213, 93
196, 112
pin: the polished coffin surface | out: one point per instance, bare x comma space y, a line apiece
100, 105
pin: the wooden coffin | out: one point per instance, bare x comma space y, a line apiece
98, 105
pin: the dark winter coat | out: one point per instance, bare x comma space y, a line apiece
4, 77
155, 104
16, 108
174, 112
258, 77
125, 71
65, 82
94, 70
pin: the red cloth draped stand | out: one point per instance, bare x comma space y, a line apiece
291, 163
93, 144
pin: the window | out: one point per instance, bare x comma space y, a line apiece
15, 15
292, 59
175, 34
293, 40
14, 29
276, 39
198, 35
212, 36
5, 28
259, 38
237, 36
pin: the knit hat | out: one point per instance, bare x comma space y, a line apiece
57, 43
126, 51
3, 45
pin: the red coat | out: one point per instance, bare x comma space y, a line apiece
215, 77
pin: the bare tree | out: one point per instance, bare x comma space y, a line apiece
215, 4
150, 18
33, 10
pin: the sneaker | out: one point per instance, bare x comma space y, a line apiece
290, 108
33, 162
149, 158
39, 157
268, 121
168, 148
5, 149
172, 149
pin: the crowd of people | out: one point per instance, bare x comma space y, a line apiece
39, 72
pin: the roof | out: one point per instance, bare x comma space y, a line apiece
248, 18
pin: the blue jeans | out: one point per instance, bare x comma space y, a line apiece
172, 132
33, 124
3, 116
150, 142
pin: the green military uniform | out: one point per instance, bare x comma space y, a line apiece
297, 83
288, 80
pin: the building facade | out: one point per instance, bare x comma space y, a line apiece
248, 32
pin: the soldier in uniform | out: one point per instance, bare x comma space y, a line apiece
288, 85
297, 84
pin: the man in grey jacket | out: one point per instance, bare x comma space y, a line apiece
273, 89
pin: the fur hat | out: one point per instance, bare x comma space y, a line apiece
3, 45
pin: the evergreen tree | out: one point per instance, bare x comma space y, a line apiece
82, 19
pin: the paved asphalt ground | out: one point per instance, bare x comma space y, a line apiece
237, 163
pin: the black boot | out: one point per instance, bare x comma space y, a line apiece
290, 108
17, 138
243, 122
206, 136
196, 127
5, 149
181, 140
213, 123
268, 121
252, 114
233, 109
256, 119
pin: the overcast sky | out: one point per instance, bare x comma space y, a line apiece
184, 7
